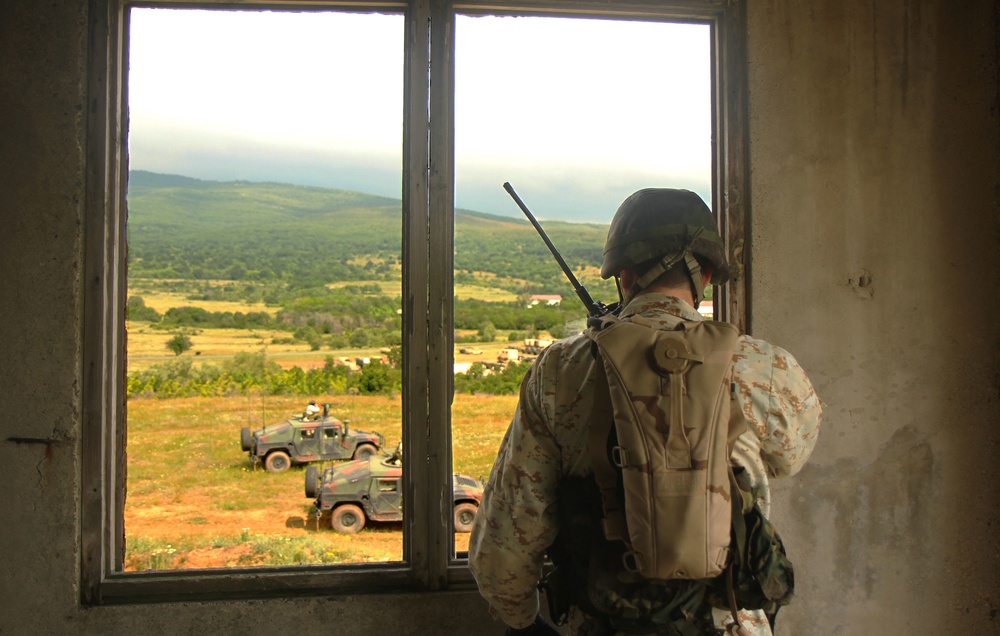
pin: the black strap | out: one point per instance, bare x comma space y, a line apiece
736, 497
605, 473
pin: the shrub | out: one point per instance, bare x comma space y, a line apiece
179, 343
136, 309
378, 378
487, 332
505, 382
358, 338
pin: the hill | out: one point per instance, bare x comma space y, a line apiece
180, 227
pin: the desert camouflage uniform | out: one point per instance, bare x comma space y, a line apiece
547, 439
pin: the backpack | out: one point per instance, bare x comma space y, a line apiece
663, 531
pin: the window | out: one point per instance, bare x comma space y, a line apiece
428, 178
264, 157
388, 485
576, 116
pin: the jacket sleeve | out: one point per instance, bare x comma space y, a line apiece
516, 520
780, 404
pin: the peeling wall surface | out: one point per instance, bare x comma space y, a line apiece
875, 177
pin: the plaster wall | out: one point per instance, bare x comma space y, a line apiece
875, 158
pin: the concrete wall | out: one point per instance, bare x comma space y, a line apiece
874, 136
875, 159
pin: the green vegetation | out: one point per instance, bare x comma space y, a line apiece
359, 317
504, 382
319, 316
242, 549
304, 237
281, 266
179, 343
323, 265
136, 309
475, 314
193, 500
253, 373
191, 229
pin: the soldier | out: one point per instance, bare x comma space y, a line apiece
312, 411
664, 250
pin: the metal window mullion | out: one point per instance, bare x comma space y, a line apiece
118, 289
440, 348
603, 9
102, 408
733, 158
416, 535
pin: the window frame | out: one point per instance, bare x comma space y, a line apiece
427, 256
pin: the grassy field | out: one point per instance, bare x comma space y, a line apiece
194, 500
161, 301
484, 292
146, 342
147, 346
388, 287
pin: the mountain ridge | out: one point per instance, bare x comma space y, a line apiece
185, 227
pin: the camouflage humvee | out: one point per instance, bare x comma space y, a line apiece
300, 440
371, 489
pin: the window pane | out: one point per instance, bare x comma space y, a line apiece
264, 283
576, 114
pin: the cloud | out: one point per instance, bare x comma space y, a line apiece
577, 114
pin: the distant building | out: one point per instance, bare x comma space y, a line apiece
544, 299
346, 362
707, 309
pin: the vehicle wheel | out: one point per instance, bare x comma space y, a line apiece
347, 519
364, 451
465, 513
246, 439
312, 481
277, 462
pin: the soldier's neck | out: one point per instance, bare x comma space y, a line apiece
677, 292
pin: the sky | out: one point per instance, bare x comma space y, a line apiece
576, 114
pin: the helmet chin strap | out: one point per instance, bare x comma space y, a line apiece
694, 277
690, 265
622, 300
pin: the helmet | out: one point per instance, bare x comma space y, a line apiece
655, 222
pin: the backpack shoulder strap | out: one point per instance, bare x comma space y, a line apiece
608, 477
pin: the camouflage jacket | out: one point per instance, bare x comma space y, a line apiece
547, 439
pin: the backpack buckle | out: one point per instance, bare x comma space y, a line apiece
619, 456
631, 561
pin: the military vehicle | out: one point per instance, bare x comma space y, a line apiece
300, 440
371, 490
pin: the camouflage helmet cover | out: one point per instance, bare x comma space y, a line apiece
654, 222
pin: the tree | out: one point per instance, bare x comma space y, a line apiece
378, 378
395, 356
136, 309
179, 343
358, 338
487, 332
